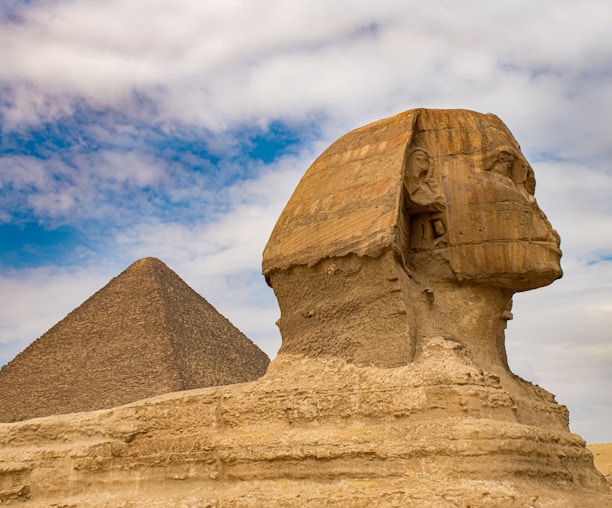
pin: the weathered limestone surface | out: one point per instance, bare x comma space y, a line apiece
394, 264
440, 432
145, 333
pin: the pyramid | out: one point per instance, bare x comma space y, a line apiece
145, 333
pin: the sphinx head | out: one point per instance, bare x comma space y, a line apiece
426, 199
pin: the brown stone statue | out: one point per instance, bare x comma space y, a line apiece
418, 226
394, 264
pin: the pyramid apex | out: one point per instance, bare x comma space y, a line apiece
148, 261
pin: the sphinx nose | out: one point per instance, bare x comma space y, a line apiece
554, 236
544, 230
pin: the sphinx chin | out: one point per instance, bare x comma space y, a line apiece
517, 265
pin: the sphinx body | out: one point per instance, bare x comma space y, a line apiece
394, 264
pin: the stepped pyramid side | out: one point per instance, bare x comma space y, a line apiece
145, 333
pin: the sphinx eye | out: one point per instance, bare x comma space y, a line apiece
503, 164
522, 175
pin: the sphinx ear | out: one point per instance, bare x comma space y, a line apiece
420, 183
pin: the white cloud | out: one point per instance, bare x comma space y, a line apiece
232, 241
88, 185
219, 65
576, 199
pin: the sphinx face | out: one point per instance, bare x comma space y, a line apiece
493, 231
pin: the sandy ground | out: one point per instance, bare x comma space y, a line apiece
603, 459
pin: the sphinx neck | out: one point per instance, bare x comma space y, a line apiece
473, 314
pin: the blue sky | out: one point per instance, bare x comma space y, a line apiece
179, 130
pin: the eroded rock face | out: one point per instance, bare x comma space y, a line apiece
394, 264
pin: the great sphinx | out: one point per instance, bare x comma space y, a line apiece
394, 264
